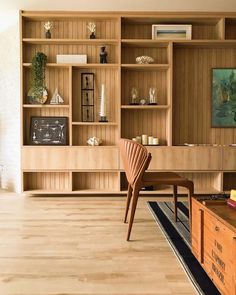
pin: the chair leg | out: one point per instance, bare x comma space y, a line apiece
133, 209
190, 195
175, 192
129, 195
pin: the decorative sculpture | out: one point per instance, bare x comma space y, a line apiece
103, 55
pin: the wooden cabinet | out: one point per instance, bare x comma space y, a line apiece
214, 242
180, 73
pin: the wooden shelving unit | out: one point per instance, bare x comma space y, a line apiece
181, 74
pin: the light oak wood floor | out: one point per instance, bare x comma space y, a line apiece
52, 245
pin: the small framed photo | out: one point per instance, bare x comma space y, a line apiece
48, 130
223, 106
180, 32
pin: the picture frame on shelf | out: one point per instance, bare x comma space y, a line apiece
48, 130
223, 98
168, 32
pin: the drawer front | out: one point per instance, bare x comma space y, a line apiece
229, 158
185, 158
70, 158
219, 253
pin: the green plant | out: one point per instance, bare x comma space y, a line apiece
39, 62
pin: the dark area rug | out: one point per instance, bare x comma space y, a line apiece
178, 236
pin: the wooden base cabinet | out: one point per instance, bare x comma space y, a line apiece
214, 242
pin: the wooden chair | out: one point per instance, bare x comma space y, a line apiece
136, 159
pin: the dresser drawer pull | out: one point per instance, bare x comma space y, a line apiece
217, 228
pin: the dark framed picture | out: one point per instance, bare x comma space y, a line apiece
223, 112
48, 130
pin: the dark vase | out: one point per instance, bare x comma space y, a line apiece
48, 34
92, 36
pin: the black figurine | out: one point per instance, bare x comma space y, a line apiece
103, 55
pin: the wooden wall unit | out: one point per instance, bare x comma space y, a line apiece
181, 73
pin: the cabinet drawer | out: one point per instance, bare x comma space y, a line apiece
219, 253
229, 158
73, 158
185, 158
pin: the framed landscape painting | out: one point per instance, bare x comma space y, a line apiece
223, 97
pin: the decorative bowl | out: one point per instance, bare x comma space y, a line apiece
144, 59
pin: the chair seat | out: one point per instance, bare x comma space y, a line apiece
167, 178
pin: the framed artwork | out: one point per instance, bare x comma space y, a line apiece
182, 32
48, 130
223, 113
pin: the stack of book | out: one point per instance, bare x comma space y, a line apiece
232, 200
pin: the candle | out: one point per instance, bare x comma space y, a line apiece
155, 141
144, 139
150, 140
139, 139
102, 105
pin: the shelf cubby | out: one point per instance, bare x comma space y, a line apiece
150, 122
90, 182
204, 183
52, 50
81, 133
141, 28
230, 28
229, 181
147, 79
71, 28
55, 77
36, 182
44, 111
131, 50
106, 76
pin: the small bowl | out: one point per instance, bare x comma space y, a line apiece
144, 59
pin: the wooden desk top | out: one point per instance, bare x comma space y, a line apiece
221, 211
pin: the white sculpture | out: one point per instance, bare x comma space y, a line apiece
94, 141
152, 95
56, 98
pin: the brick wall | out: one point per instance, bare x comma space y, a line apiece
10, 108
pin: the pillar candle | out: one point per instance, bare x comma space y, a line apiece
102, 106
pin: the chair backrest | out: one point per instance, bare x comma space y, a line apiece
135, 159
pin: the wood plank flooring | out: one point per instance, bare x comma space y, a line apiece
76, 245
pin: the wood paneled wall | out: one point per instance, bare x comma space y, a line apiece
192, 95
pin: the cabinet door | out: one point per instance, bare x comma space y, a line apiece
229, 158
63, 158
219, 254
185, 158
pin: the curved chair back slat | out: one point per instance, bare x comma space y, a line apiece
135, 159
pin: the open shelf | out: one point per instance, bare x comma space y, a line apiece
41, 41
95, 123
146, 67
45, 106
144, 107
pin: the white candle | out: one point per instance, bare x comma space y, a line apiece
102, 105
155, 141
144, 139
150, 140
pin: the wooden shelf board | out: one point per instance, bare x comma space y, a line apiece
88, 65
145, 107
68, 15
41, 41
74, 192
144, 43
205, 43
45, 106
161, 67
94, 124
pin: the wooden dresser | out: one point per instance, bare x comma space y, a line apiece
214, 242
